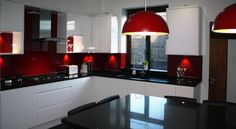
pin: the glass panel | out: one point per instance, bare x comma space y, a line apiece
156, 108
137, 103
138, 51
158, 53
158, 57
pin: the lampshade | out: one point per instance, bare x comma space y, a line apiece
225, 22
145, 23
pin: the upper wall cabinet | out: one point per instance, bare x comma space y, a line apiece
184, 26
11, 27
78, 33
104, 33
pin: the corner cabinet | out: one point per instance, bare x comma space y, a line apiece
104, 33
11, 27
184, 25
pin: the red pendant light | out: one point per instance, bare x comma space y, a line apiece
145, 23
225, 22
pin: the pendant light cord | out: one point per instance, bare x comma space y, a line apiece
145, 4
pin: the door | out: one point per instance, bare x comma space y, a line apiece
218, 69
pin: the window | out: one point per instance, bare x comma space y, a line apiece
150, 48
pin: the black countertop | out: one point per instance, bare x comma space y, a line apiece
36, 80
147, 112
185, 81
55, 77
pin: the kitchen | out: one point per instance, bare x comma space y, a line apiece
36, 59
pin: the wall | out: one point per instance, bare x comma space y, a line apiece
231, 87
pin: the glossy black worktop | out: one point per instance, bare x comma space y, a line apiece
184, 81
148, 112
60, 76
35, 80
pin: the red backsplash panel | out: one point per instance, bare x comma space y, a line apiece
193, 64
36, 63
6, 42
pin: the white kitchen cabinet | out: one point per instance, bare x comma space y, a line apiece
124, 87
79, 32
137, 87
184, 26
12, 21
119, 86
185, 91
101, 88
81, 92
53, 100
27, 107
160, 90
105, 33
18, 108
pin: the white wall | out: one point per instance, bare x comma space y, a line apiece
231, 83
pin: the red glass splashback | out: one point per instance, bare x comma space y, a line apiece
193, 65
6, 42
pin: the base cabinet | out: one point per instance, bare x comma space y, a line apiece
24, 108
101, 88
184, 91
18, 109
31, 106
160, 90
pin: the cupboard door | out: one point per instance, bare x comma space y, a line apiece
18, 108
101, 88
136, 87
185, 91
81, 92
184, 26
119, 86
160, 90
105, 33
12, 16
190, 33
174, 41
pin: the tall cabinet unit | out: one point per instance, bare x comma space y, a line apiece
104, 33
184, 25
12, 22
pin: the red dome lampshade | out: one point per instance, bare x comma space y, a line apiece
145, 23
225, 22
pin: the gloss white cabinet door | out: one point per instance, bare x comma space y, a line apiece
137, 87
18, 108
12, 21
11, 16
160, 90
119, 86
101, 88
81, 91
79, 29
53, 101
184, 26
185, 91
105, 33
